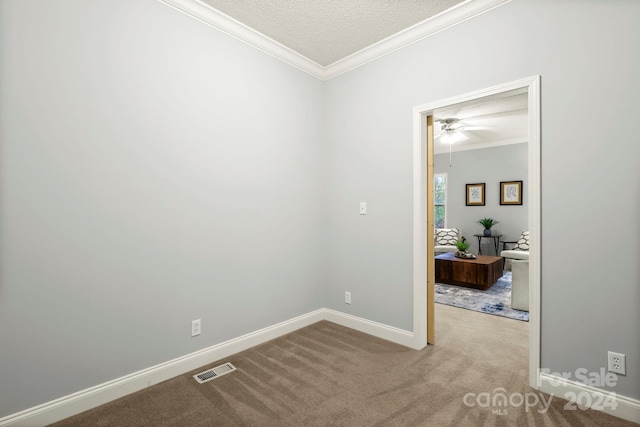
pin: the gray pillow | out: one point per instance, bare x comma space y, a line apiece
446, 236
523, 242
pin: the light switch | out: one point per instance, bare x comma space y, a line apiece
363, 208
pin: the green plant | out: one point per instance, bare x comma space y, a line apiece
488, 222
462, 245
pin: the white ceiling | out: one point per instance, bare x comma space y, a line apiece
486, 123
326, 31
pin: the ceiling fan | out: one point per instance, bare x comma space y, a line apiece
451, 132
449, 124
451, 128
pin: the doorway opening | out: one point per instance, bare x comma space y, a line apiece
423, 256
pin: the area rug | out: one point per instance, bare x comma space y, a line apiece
495, 300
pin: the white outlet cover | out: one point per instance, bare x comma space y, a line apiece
617, 363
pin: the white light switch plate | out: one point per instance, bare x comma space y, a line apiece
363, 208
196, 327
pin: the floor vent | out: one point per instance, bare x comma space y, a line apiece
212, 373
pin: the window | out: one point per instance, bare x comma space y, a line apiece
440, 200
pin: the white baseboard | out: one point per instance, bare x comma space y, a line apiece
595, 398
375, 329
64, 407
92, 397
84, 400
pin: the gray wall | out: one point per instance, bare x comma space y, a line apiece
587, 55
491, 166
153, 171
151, 165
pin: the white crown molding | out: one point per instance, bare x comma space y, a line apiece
459, 13
218, 20
210, 16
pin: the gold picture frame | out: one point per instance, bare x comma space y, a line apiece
475, 194
511, 192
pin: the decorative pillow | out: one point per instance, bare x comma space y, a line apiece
523, 242
446, 236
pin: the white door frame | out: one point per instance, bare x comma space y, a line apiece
530, 85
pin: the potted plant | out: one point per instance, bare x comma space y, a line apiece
462, 246
487, 223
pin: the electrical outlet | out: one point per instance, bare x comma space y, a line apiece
195, 327
347, 297
617, 363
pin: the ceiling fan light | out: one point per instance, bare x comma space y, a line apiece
452, 136
447, 138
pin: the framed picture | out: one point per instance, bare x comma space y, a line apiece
475, 194
511, 192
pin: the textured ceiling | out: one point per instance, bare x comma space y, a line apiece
326, 31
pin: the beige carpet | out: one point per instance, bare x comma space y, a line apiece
328, 375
